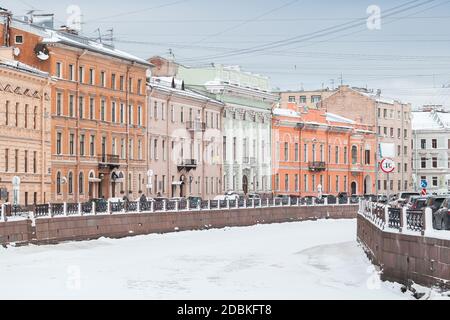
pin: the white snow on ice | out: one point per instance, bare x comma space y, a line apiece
306, 260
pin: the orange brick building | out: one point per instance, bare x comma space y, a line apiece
315, 150
98, 112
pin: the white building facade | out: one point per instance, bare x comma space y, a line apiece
246, 124
431, 150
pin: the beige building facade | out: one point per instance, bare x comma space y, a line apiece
185, 141
24, 132
309, 98
393, 122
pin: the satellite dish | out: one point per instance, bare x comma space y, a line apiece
16, 51
42, 52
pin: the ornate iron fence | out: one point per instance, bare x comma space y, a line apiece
57, 209
415, 220
41, 210
395, 218
72, 209
86, 208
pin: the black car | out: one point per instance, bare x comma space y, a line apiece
435, 202
441, 217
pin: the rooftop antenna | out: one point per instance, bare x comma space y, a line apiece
109, 36
341, 79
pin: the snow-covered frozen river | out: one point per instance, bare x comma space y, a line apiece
307, 260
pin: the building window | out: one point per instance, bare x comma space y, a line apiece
286, 183
70, 183
423, 144
113, 112
113, 81
435, 181
131, 149
58, 143
81, 74
81, 183
102, 110
139, 150
296, 152
302, 99
122, 148
35, 162
72, 144
58, 103
122, 111
296, 183
91, 108
16, 160
435, 162
7, 113
58, 72
71, 105
26, 161
354, 154
6, 160
139, 115
82, 145
277, 182
17, 114
91, 76
423, 163
337, 155
103, 79
130, 115
286, 151
19, 39
291, 99
92, 146
122, 83
434, 144
139, 86
81, 108
305, 183
71, 72
367, 157
58, 183
316, 99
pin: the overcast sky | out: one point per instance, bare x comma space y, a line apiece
298, 44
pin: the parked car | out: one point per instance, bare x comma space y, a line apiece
402, 199
435, 203
417, 203
441, 217
254, 196
194, 202
115, 200
382, 199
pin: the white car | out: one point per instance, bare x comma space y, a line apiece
115, 200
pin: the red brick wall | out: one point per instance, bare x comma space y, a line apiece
115, 226
406, 257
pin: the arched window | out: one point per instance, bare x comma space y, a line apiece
354, 154
81, 183
58, 183
70, 183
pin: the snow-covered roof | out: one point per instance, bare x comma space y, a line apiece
53, 36
23, 67
337, 118
430, 120
285, 112
165, 84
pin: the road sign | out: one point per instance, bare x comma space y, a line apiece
424, 192
387, 165
424, 184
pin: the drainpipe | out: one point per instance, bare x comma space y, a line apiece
43, 142
77, 108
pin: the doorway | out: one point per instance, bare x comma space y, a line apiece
245, 185
354, 188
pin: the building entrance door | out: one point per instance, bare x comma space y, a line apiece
245, 185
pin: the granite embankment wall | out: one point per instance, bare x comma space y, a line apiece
77, 228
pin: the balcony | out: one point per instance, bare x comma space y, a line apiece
108, 161
196, 126
187, 165
317, 166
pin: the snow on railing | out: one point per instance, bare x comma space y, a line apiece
55, 210
402, 220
